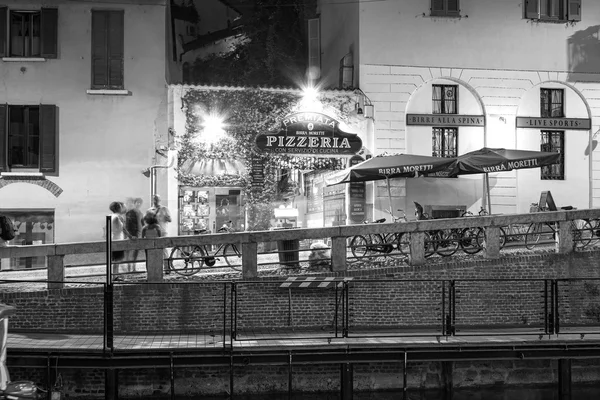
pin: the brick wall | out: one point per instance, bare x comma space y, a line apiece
199, 306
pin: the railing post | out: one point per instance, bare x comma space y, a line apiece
564, 238
491, 245
249, 260
417, 248
154, 264
56, 272
338, 253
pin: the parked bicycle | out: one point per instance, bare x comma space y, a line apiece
581, 231
189, 260
363, 246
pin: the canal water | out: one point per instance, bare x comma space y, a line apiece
492, 393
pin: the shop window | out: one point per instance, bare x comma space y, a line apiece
445, 142
554, 141
553, 10
33, 227
28, 138
445, 8
29, 34
552, 103
444, 99
107, 49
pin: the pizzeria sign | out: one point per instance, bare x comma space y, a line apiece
310, 134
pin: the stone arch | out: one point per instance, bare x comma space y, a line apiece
34, 180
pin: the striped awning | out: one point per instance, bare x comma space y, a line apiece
313, 282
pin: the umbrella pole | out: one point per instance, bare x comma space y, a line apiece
487, 189
387, 181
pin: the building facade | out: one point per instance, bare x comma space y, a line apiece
448, 77
83, 112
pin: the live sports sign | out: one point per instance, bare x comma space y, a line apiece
310, 134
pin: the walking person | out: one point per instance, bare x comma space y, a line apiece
163, 217
133, 225
119, 232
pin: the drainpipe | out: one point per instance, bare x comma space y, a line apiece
151, 172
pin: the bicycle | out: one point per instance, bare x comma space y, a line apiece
480, 239
581, 231
468, 236
362, 245
189, 260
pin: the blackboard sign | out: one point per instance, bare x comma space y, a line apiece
257, 173
357, 196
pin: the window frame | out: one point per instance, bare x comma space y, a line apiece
111, 60
48, 33
445, 10
568, 10
443, 151
443, 100
546, 172
546, 112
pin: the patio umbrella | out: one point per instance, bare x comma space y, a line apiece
488, 160
392, 166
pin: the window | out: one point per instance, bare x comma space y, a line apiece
445, 8
346, 72
33, 227
554, 141
445, 142
107, 49
314, 49
29, 33
28, 138
444, 99
553, 10
552, 103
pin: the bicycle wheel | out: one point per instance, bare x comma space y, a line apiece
232, 256
533, 235
186, 260
468, 240
403, 243
431, 243
503, 238
359, 246
448, 244
582, 232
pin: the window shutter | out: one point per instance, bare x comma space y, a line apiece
452, 7
49, 32
116, 49
532, 9
437, 7
48, 138
99, 49
574, 11
3, 136
314, 48
3, 40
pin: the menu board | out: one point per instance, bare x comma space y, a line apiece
314, 193
357, 196
257, 173
194, 210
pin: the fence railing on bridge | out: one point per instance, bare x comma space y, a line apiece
565, 231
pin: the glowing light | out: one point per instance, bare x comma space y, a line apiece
310, 99
214, 129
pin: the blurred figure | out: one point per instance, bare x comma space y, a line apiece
133, 225
119, 232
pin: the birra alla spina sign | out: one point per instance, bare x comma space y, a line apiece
311, 134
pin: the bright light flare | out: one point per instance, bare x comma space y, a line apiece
310, 99
214, 129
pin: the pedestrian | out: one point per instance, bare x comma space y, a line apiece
163, 217
151, 228
119, 232
133, 225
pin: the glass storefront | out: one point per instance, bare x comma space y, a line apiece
33, 227
209, 208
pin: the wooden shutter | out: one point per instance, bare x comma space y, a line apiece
314, 48
48, 138
3, 41
99, 49
574, 10
3, 136
115, 49
437, 7
452, 7
532, 9
49, 32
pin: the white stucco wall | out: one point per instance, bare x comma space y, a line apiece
105, 141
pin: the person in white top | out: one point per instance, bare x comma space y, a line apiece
119, 232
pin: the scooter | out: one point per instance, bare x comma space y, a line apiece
18, 390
